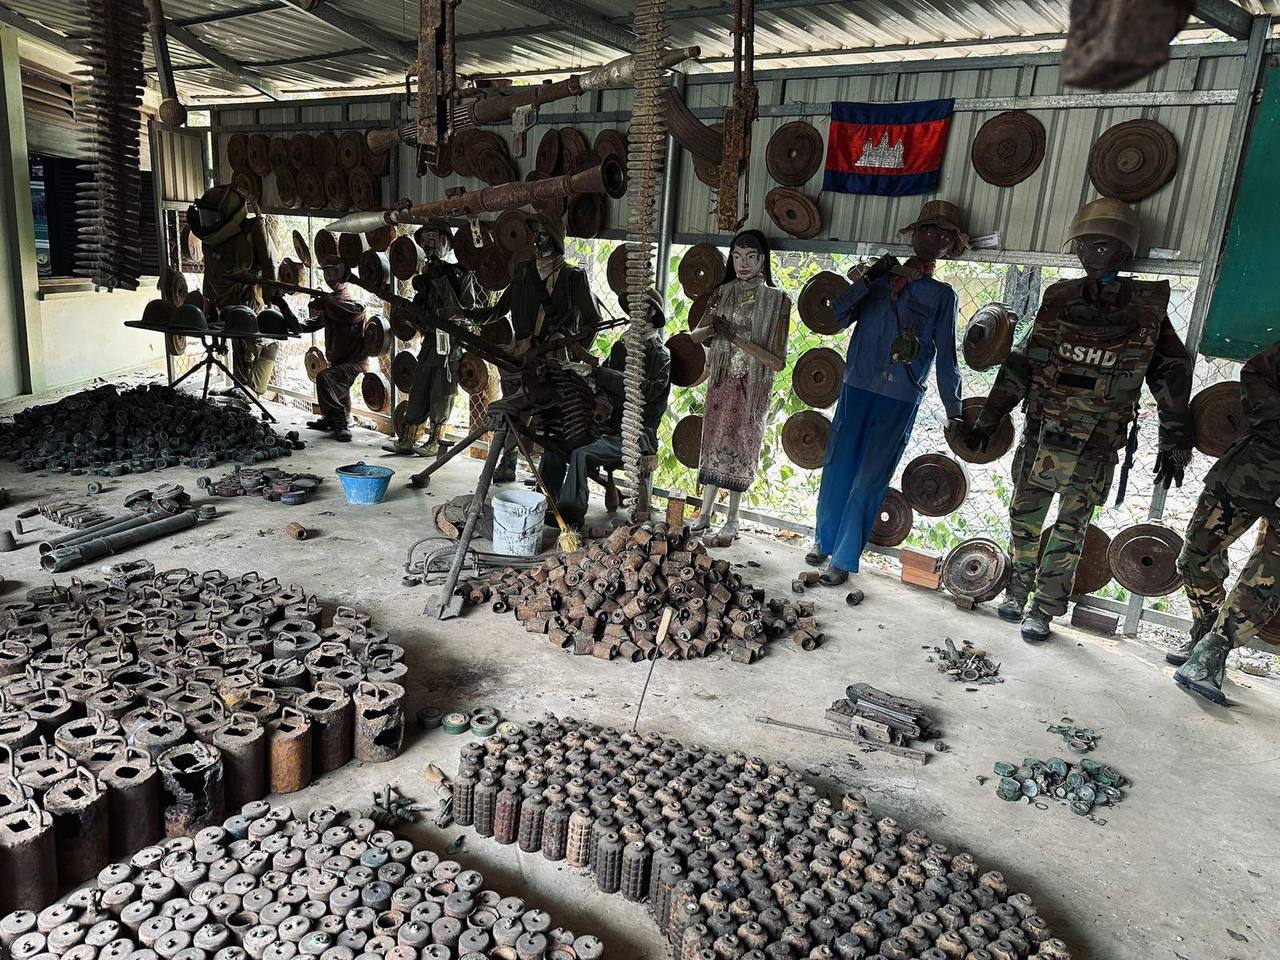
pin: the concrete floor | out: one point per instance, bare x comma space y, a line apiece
1185, 867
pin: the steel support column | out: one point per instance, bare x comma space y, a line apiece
669, 206
1232, 156
21, 338
1231, 18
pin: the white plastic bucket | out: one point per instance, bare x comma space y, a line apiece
518, 519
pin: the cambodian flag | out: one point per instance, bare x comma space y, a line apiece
888, 149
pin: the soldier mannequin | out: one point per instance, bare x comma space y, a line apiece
342, 318
547, 298
235, 242
1078, 372
443, 290
1242, 487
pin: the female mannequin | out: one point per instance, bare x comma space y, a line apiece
747, 323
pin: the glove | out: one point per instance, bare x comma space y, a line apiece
880, 268
955, 429
977, 437
1171, 465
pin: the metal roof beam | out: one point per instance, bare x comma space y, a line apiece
1231, 18
359, 30
222, 61
575, 19
40, 32
217, 16
283, 62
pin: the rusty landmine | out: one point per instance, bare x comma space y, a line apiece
163, 697
737, 856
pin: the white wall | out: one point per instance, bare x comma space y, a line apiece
85, 337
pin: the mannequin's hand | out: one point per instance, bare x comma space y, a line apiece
1171, 466
977, 438
874, 271
723, 327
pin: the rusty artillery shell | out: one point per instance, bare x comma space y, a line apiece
289, 745
506, 818
578, 845
379, 721
486, 801
191, 788
464, 795
296, 531
555, 831
133, 802
634, 881
28, 861
82, 842
242, 741
532, 812
330, 712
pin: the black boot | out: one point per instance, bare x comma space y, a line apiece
323, 422
1180, 654
1011, 607
341, 433
1035, 625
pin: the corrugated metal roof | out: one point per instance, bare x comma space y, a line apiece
507, 37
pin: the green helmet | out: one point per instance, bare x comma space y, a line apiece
1105, 217
222, 207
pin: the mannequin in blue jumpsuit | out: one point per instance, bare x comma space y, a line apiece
902, 320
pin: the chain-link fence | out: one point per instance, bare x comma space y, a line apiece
788, 492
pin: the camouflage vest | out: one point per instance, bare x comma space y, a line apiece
1087, 376
233, 255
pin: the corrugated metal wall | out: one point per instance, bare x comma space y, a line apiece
179, 161
1193, 97
285, 120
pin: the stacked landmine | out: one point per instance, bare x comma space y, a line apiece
611, 600
736, 856
145, 705
269, 483
269, 885
107, 431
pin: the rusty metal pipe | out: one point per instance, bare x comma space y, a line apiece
608, 178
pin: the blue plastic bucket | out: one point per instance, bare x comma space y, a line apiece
362, 483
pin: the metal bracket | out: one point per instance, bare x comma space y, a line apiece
521, 121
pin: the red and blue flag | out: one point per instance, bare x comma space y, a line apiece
887, 149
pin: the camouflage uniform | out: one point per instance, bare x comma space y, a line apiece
1241, 488
1079, 371
442, 288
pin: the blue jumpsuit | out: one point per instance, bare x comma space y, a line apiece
879, 400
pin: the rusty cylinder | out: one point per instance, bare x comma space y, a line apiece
379, 721
81, 834
191, 791
28, 861
328, 707
243, 744
133, 802
289, 763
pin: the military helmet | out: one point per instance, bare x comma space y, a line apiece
238, 319
1105, 217
219, 208
158, 313
189, 318
271, 323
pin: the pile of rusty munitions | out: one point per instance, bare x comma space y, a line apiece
107, 431
737, 856
269, 483
151, 514
611, 600
269, 884
966, 664
1085, 786
391, 808
879, 716
143, 704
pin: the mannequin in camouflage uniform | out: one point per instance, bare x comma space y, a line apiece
444, 290
1241, 488
235, 242
1078, 371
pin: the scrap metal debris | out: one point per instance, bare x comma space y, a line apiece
608, 600
1077, 739
1084, 785
883, 719
109, 431
967, 664
269, 483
